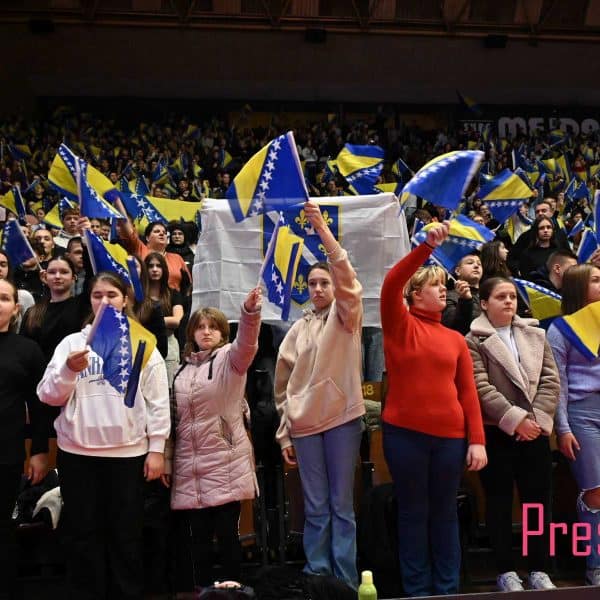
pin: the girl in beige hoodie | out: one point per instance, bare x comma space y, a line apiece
319, 399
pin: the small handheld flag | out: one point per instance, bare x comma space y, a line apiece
443, 180
15, 244
271, 180
582, 329
280, 265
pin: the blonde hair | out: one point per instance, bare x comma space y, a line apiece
422, 277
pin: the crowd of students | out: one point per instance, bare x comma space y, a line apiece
487, 401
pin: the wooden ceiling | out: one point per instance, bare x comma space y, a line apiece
566, 20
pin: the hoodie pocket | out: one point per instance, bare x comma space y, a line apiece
317, 405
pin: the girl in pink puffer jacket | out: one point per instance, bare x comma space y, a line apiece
213, 460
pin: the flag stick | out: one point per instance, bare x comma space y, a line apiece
96, 322
270, 250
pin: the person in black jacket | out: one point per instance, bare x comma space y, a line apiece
21, 367
462, 303
524, 241
551, 274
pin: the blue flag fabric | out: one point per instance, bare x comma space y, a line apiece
109, 339
15, 244
134, 375
587, 246
361, 167
271, 180
90, 203
107, 257
465, 237
503, 194
135, 279
280, 265
139, 207
443, 180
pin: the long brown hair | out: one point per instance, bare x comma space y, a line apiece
576, 280
164, 293
143, 308
491, 263
212, 315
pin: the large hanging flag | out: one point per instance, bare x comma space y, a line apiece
229, 254
62, 175
105, 256
582, 329
280, 266
124, 347
360, 166
504, 194
91, 205
15, 244
271, 180
13, 201
465, 236
543, 303
443, 180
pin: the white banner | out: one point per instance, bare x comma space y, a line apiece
229, 254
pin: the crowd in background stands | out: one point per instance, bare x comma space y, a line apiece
183, 161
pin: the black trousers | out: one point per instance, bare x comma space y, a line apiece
529, 465
101, 524
10, 478
196, 532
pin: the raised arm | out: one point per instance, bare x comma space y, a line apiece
347, 289
245, 345
392, 299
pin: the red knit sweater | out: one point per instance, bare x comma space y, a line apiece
429, 368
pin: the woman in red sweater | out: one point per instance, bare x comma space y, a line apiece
431, 421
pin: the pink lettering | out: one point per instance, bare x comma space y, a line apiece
585, 537
553, 527
526, 530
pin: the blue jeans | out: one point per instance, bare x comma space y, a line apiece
327, 462
426, 470
372, 354
584, 420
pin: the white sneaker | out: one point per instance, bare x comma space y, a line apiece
592, 577
538, 580
510, 582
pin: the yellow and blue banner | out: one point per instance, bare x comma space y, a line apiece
465, 237
360, 166
582, 329
543, 303
124, 346
443, 180
271, 180
280, 266
105, 256
62, 176
13, 201
91, 205
503, 194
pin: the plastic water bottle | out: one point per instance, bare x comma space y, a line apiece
366, 589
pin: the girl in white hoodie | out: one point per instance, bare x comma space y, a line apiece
105, 451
